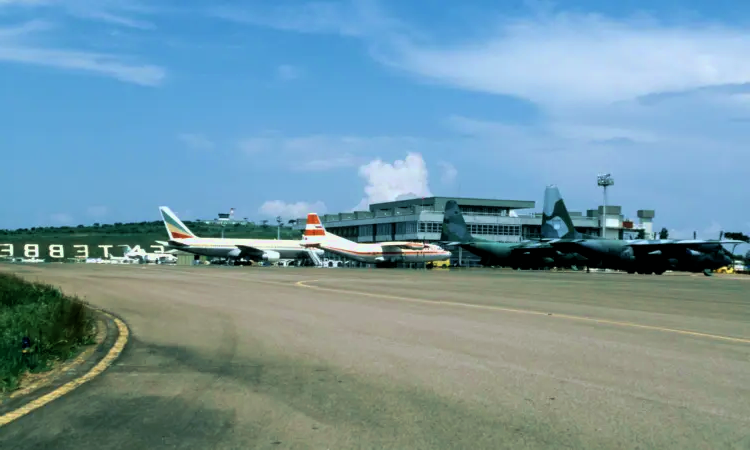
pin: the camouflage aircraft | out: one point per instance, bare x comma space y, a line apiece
518, 255
634, 256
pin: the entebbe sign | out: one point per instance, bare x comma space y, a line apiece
58, 250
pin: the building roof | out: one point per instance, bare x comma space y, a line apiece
439, 203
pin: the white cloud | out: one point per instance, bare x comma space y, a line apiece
113, 12
570, 58
449, 172
19, 44
62, 218
322, 152
97, 211
548, 57
288, 211
288, 72
386, 181
196, 141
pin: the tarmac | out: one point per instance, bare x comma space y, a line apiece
272, 358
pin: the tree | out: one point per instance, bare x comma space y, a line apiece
664, 233
292, 222
264, 223
737, 236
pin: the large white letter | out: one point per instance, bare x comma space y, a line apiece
106, 250
31, 250
7, 251
82, 250
56, 251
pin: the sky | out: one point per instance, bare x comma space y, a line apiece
112, 108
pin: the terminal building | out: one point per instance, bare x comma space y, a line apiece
421, 219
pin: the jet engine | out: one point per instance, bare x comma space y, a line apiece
271, 256
234, 253
627, 254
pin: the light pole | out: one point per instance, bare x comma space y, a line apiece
604, 180
278, 228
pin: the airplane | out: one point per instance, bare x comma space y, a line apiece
633, 256
382, 254
125, 258
271, 250
33, 260
526, 254
141, 255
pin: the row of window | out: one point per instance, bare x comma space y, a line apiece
385, 229
497, 230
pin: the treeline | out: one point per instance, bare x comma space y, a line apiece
249, 230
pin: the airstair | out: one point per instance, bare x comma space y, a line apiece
315, 258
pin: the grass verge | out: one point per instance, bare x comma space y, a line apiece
39, 326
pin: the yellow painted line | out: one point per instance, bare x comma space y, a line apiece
305, 284
107, 361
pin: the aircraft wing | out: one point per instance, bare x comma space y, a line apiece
250, 250
687, 244
391, 246
531, 248
172, 243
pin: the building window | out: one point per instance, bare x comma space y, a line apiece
430, 227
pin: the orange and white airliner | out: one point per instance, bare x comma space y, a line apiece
381, 253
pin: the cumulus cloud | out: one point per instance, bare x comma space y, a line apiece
288, 211
390, 181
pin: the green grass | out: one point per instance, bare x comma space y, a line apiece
57, 326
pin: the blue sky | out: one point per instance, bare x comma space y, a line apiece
113, 107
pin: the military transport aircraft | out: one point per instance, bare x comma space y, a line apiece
634, 256
526, 254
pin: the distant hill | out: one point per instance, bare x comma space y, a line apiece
144, 234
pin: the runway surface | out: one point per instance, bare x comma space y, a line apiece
237, 358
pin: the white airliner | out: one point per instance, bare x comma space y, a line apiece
382, 253
141, 255
271, 250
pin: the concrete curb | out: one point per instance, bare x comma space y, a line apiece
96, 362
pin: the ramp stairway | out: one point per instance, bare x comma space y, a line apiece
315, 258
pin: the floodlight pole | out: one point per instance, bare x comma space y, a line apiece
604, 180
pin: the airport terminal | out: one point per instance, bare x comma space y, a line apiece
420, 219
